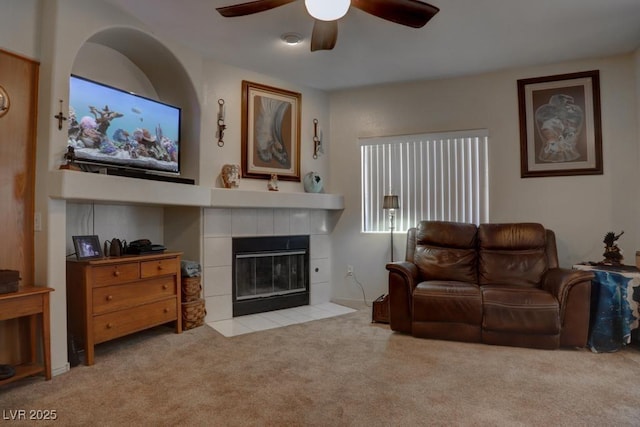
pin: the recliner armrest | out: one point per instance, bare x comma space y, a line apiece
407, 270
572, 289
403, 279
559, 281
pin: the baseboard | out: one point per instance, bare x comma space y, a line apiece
60, 370
351, 303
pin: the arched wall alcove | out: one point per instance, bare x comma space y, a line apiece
132, 60
160, 75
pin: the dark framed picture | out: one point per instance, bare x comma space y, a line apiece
87, 247
560, 128
270, 132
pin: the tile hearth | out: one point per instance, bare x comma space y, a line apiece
276, 319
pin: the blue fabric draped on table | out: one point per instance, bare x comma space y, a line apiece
615, 297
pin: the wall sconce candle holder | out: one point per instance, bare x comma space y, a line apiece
317, 140
221, 125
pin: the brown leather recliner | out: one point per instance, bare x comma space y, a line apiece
496, 283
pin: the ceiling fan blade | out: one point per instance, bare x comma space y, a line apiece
324, 36
412, 13
251, 7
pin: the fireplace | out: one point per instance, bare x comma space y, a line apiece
269, 273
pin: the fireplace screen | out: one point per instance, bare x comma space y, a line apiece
267, 274
270, 273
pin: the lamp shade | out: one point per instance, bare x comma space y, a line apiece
390, 202
327, 10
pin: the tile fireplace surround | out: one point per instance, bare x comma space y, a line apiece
221, 225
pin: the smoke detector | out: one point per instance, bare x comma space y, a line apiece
291, 39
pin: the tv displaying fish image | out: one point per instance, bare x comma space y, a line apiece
112, 127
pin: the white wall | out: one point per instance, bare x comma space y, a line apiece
580, 209
225, 82
18, 32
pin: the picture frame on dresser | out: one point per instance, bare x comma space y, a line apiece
270, 132
87, 247
560, 125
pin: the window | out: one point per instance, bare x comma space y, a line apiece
440, 176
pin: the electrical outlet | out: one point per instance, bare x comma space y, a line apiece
37, 222
349, 270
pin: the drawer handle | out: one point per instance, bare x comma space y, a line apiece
160, 267
166, 310
109, 297
165, 287
116, 273
109, 325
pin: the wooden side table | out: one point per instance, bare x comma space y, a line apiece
32, 302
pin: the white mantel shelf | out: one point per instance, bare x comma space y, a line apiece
93, 187
235, 198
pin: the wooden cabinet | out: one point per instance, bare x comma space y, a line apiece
18, 126
112, 297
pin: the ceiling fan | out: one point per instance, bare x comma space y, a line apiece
412, 13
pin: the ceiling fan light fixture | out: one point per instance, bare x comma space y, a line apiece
327, 10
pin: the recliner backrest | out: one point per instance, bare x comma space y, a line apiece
444, 250
512, 254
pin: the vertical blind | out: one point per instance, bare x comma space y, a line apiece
440, 176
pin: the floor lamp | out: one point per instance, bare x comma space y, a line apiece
390, 203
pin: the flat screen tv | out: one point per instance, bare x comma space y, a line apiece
119, 129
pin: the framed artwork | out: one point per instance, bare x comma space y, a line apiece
560, 128
270, 132
87, 247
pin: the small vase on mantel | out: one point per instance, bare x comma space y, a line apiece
312, 182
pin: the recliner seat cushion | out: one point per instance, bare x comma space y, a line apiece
447, 301
512, 254
520, 310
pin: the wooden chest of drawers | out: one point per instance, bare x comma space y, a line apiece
112, 297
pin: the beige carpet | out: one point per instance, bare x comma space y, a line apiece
342, 371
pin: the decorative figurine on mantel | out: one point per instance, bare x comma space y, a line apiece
70, 159
272, 185
612, 253
230, 176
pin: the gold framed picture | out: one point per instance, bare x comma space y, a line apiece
270, 132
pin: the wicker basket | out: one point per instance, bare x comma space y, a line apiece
381, 309
193, 314
191, 288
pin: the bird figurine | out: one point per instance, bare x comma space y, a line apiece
612, 253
